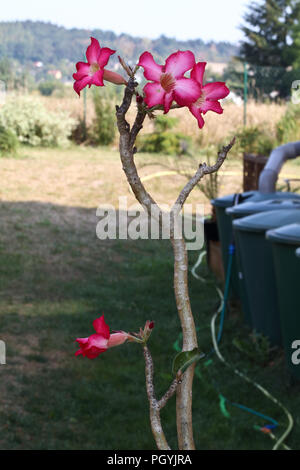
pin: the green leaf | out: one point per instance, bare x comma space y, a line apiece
184, 359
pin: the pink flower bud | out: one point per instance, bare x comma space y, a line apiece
116, 339
114, 77
149, 325
139, 98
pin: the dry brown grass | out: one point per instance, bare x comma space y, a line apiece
85, 177
216, 130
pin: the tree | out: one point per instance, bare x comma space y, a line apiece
270, 48
296, 44
7, 72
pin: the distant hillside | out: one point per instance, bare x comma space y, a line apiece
28, 42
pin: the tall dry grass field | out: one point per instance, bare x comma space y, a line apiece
217, 129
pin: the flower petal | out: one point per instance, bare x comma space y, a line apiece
215, 90
83, 70
93, 51
97, 341
179, 63
104, 56
154, 94
82, 341
169, 97
186, 91
80, 84
211, 105
197, 113
152, 71
97, 78
198, 72
101, 327
92, 352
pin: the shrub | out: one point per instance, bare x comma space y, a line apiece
103, 128
163, 141
30, 121
79, 132
8, 142
288, 128
164, 123
47, 88
254, 140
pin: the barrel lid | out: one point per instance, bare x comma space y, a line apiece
248, 208
228, 200
289, 234
267, 220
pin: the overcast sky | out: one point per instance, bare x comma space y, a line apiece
182, 19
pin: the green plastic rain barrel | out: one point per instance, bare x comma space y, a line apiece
285, 242
224, 222
243, 210
257, 268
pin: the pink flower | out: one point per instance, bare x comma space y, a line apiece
99, 342
93, 72
168, 81
209, 95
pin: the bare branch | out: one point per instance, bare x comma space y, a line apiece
127, 149
183, 387
184, 390
155, 421
169, 393
138, 124
126, 67
203, 169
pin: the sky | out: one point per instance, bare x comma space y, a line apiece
217, 20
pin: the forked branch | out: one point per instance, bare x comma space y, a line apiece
183, 387
156, 405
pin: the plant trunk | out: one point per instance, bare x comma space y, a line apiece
184, 390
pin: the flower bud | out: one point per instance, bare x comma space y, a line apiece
139, 98
149, 325
114, 77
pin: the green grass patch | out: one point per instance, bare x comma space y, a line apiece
56, 277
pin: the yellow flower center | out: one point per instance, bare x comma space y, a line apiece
94, 68
167, 82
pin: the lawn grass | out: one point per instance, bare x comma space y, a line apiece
56, 277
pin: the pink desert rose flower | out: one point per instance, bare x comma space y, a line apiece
209, 97
99, 342
93, 72
168, 81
